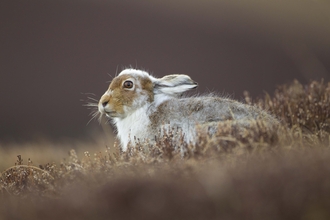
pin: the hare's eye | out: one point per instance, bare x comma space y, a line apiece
128, 84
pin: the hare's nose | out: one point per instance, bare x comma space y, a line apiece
104, 103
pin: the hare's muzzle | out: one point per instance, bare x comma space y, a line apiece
103, 109
106, 108
103, 103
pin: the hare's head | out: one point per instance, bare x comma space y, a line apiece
132, 89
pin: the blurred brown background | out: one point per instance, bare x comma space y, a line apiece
53, 51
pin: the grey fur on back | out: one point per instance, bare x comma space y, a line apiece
187, 113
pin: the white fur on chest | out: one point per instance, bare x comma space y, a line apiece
134, 125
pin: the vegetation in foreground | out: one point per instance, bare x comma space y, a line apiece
239, 173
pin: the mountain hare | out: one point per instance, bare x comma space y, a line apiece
141, 106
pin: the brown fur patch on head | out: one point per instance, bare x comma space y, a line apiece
119, 97
147, 86
117, 82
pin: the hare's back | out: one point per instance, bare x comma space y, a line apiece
202, 110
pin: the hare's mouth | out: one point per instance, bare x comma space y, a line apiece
111, 114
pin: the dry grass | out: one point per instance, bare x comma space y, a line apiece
239, 173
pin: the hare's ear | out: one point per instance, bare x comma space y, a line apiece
174, 84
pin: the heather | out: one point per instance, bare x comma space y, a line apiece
255, 172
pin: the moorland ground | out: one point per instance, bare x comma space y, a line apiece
239, 173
